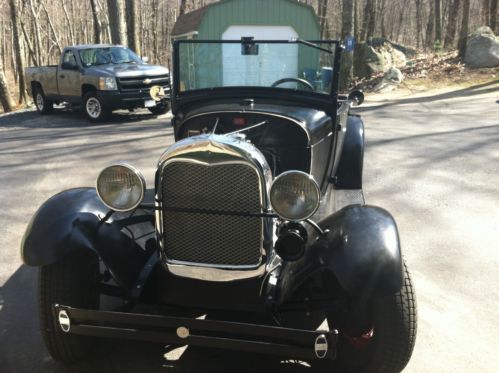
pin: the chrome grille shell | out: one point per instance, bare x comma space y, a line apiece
218, 155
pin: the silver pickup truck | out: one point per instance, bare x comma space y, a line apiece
101, 78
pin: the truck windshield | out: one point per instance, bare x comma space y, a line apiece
103, 56
291, 64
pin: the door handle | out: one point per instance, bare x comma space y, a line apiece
61, 76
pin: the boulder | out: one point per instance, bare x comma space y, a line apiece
482, 49
392, 78
372, 59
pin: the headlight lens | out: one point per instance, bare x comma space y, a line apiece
121, 187
107, 84
294, 195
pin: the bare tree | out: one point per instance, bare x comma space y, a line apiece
183, 4
18, 48
5, 97
430, 26
347, 30
452, 24
322, 13
438, 22
133, 27
463, 35
97, 23
486, 12
117, 22
493, 15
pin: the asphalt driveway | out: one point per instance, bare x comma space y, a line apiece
433, 162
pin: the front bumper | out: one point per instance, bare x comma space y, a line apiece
114, 100
286, 342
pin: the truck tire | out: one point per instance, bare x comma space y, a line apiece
94, 109
389, 347
160, 109
43, 106
73, 281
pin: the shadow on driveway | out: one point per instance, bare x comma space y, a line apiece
22, 348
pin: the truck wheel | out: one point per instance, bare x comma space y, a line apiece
71, 282
160, 109
93, 108
43, 106
388, 346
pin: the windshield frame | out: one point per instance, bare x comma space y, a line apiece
336, 48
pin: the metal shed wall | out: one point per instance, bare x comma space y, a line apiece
220, 16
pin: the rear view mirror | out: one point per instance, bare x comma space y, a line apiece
145, 59
248, 47
356, 97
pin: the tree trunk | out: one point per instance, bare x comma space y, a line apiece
486, 12
322, 13
6, 100
452, 25
463, 35
438, 22
117, 22
183, 4
369, 20
493, 15
430, 26
347, 30
133, 26
19, 50
356, 19
97, 24
418, 23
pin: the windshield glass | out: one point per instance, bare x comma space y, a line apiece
294, 65
103, 56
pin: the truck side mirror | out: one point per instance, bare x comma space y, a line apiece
145, 59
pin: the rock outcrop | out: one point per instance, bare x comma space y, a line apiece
482, 49
374, 58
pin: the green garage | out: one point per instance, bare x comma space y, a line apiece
234, 19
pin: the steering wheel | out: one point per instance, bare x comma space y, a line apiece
294, 80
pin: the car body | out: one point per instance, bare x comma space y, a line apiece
257, 213
101, 78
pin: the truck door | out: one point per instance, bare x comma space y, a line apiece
68, 78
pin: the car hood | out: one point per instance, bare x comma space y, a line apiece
128, 70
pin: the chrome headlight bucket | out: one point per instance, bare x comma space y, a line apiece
295, 195
121, 187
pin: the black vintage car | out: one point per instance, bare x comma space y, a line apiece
257, 221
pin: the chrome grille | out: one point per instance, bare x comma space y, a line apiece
211, 232
137, 83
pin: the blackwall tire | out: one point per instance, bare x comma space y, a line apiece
394, 320
73, 281
43, 106
93, 108
160, 109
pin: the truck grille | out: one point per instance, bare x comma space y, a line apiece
196, 226
143, 82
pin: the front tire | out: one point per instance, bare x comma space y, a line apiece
43, 106
72, 281
394, 326
94, 110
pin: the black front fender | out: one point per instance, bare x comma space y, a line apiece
72, 220
362, 250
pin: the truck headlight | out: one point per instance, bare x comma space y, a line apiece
294, 195
107, 84
121, 187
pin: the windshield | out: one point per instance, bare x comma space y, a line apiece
294, 64
103, 56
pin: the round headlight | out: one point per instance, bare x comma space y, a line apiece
121, 187
294, 195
